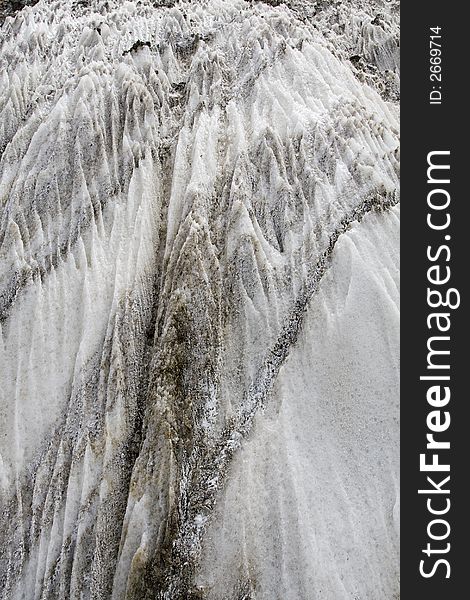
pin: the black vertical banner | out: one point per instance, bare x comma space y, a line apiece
435, 440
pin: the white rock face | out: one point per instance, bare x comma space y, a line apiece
310, 509
199, 300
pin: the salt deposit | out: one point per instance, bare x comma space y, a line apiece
199, 300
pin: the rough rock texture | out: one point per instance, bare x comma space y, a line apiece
10, 7
199, 300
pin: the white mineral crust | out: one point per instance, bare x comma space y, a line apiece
199, 306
